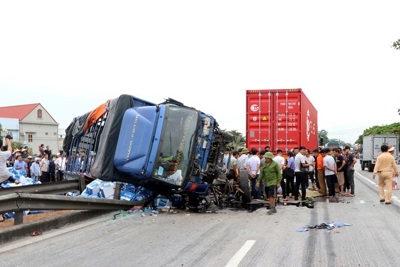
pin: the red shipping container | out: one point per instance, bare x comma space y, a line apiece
281, 119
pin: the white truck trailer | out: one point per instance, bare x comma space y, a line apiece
372, 149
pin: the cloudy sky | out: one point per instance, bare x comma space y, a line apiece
71, 56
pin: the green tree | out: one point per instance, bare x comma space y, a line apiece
238, 140
396, 45
393, 128
323, 134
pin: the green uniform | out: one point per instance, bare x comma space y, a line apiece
270, 174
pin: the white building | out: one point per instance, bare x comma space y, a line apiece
30, 125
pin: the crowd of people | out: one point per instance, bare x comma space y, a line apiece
330, 172
43, 166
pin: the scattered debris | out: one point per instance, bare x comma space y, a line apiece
328, 226
36, 233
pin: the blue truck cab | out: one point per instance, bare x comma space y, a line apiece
159, 146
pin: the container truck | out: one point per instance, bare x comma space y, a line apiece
281, 119
371, 149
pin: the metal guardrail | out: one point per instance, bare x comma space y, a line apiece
47, 188
43, 197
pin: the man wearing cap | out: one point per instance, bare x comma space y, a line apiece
386, 167
242, 160
35, 170
271, 176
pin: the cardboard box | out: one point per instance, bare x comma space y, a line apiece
107, 190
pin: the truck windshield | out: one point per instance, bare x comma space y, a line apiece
178, 136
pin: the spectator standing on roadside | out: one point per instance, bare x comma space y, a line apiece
20, 165
24, 153
60, 160
28, 166
310, 175
315, 154
290, 187
281, 162
243, 158
295, 151
261, 156
321, 172
301, 173
350, 160
330, 172
52, 170
44, 169
48, 152
253, 168
386, 167
41, 149
225, 160
339, 167
35, 170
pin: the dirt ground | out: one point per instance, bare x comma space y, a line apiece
35, 217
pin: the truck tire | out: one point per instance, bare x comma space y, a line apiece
245, 186
371, 167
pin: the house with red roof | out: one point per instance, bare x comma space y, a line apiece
30, 125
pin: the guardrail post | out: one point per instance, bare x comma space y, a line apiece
18, 217
82, 184
117, 192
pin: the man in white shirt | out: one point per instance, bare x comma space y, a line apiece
330, 172
281, 162
242, 160
279, 159
253, 168
301, 173
310, 160
58, 162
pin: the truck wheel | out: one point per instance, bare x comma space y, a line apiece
371, 167
362, 165
245, 186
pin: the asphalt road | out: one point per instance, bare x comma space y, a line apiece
227, 238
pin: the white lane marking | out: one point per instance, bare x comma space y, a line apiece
237, 258
396, 198
367, 179
362, 201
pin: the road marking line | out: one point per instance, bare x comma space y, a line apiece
237, 258
367, 179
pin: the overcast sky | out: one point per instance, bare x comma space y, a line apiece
71, 56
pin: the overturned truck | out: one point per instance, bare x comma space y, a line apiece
167, 148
